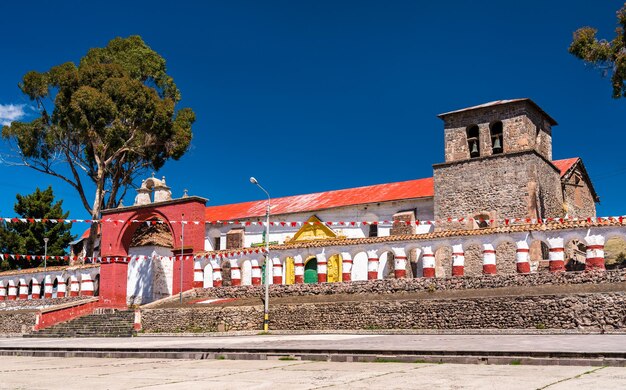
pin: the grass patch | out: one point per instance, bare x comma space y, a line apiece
220, 357
387, 360
515, 362
540, 325
287, 358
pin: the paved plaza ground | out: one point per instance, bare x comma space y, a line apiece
101, 373
592, 343
280, 371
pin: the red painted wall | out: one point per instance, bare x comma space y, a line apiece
47, 319
187, 275
113, 282
116, 238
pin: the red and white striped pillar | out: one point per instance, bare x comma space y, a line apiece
458, 260
322, 268
277, 271
137, 320
3, 291
298, 265
48, 285
61, 288
557, 254
595, 253
256, 272
346, 267
11, 291
489, 259
399, 263
36, 291
217, 273
522, 257
372, 265
235, 273
74, 286
23, 290
86, 285
428, 262
198, 275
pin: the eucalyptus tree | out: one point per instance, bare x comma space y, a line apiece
103, 122
607, 56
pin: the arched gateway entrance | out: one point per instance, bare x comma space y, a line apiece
117, 237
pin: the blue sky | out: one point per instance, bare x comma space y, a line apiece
319, 95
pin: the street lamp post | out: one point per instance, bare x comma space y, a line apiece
45, 263
266, 317
182, 256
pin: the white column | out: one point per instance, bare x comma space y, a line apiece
428, 262
522, 257
458, 260
489, 259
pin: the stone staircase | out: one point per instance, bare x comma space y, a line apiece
103, 323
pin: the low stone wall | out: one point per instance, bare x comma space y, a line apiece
36, 304
575, 311
393, 286
14, 322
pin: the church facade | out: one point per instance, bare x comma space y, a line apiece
498, 183
498, 169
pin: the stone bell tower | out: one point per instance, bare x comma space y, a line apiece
498, 164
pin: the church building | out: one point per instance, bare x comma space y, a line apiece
498, 171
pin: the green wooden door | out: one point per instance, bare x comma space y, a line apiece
310, 271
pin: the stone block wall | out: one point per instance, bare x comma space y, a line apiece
17, 321
579, 201
35, 304
524, 127
394, 286
514, 185
575, 311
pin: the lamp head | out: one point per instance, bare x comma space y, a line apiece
46, 239
253, 180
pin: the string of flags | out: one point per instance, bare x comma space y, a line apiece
505, 221
126, 259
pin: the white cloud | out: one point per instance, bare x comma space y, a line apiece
10, 113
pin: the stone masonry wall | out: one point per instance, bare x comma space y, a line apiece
575, 311
17, 321
21, 304
578, 200
524, 127
393, 286
497, 184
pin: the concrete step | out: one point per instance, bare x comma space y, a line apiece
101, 324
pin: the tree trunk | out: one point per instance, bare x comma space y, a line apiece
95, 215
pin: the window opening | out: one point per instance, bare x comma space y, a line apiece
496, 138
473, 141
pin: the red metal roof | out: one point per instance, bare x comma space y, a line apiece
412, 189
565, 164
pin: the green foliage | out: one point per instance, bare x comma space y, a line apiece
610, 57
27, 238
111, 118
